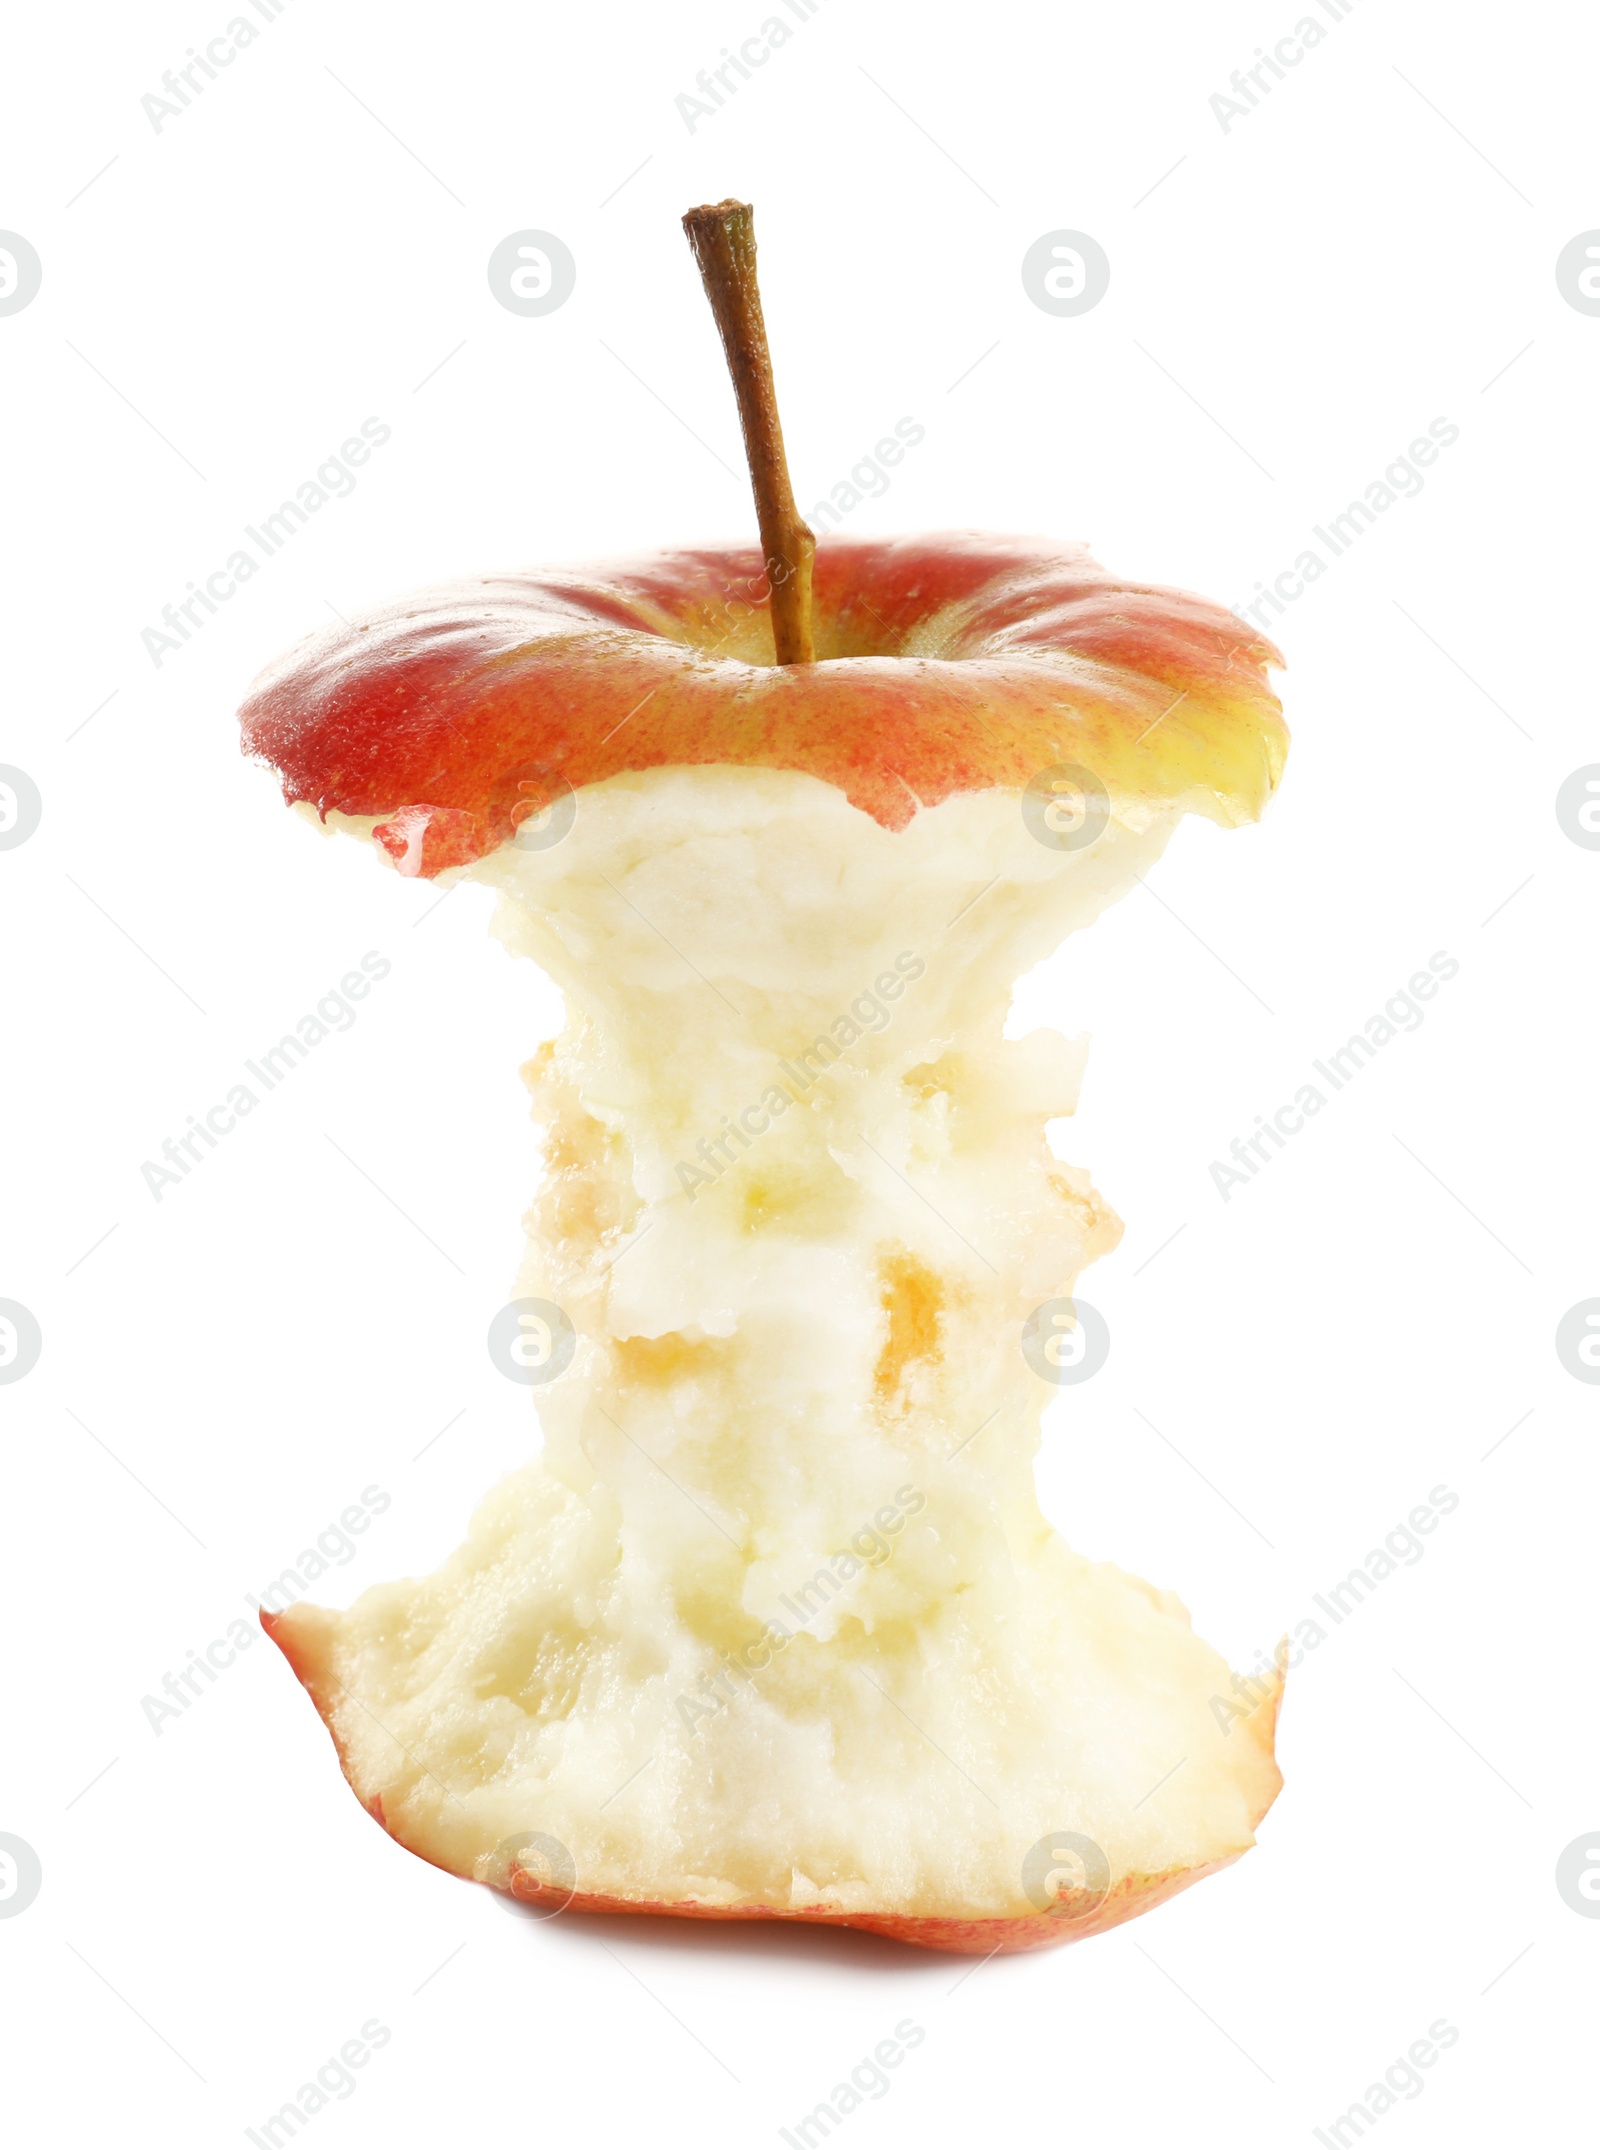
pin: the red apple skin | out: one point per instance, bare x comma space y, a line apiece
1133, 1894
446, 713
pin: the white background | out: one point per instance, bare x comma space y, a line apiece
1372, 248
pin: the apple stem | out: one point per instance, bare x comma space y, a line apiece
723, 238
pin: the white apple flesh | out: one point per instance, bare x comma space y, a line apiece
771, 1627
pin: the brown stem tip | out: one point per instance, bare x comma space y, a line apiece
723, 237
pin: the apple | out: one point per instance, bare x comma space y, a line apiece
773, 1626
947, 664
